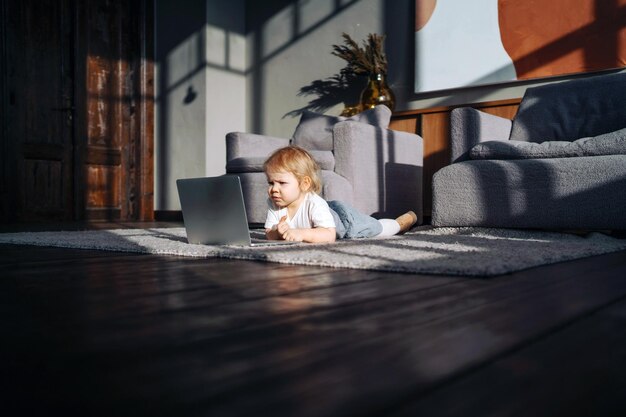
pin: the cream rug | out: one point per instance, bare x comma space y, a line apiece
424, 250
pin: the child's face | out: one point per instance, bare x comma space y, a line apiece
284, 189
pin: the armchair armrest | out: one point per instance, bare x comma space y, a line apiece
469, 127
384, 167
250, 145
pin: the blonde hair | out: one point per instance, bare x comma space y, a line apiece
299, 162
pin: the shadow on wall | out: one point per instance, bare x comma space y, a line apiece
329, 92
346, 88
340, 88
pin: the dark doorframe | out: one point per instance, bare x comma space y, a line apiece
4, 175
145, 66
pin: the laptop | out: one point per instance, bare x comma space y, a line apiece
214, 212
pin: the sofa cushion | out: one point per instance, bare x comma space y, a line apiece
613, 143
565, 193
325, 159
315, 130
572, 109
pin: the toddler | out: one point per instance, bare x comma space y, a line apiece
297, 213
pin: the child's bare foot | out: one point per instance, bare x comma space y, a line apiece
406, 221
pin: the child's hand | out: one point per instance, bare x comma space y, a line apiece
287, 233
294, 235
282, 227
278, 231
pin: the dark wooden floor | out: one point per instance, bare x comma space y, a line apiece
91, 333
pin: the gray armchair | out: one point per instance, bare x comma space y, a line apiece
377, 170
560, 164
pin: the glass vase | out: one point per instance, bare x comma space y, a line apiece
376, 92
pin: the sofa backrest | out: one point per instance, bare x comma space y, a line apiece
315, 130
572, 109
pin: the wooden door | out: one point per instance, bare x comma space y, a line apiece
115, 158
77, 110
38, 110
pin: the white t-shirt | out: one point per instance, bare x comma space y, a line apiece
313, 212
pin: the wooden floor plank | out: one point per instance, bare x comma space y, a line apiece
578, 370
377, 361
173, 336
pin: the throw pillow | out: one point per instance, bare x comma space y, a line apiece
315, 130
613, 143
568, 110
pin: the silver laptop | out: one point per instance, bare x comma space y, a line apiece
214, 212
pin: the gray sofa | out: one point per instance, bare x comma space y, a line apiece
377, 170
559, 164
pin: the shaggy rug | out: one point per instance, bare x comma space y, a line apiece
425, 250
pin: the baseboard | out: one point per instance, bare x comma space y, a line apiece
168, 215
